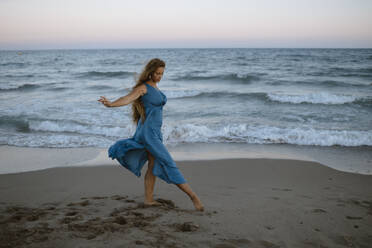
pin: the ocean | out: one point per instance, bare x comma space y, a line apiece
301, 97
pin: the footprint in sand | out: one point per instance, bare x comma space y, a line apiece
69, 219
269, 227
71, 213
118, 197
94, 197
353, 217
188, 226
275, 198
210, 213
361, 203
99, 197
230, 243
281, 189
305, 196
19, 214
344, 240
83, 203
318, 210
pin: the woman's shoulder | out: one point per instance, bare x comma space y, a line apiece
142, 89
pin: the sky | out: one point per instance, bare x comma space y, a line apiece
90, 24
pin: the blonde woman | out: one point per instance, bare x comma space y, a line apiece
147, 142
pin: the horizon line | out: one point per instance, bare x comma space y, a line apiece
162, 48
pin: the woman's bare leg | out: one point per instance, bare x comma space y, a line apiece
194, 198
150, 182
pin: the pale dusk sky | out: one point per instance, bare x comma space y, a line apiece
65, 24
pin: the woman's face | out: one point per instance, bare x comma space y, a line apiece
158, 74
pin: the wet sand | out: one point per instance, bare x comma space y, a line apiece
248, 203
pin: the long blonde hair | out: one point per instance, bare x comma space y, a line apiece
138, 109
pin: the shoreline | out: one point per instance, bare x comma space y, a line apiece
356, 160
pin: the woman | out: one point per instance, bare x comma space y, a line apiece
147, 142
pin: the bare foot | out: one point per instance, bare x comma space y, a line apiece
197, 203
152, 203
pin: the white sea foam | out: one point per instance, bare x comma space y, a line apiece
317, 98
245, 133
55, 140
181, 93
71, 127
9, 87
265, 134
68, 134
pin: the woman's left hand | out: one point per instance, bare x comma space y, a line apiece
104, 101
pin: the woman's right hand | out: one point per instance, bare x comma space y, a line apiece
104, 101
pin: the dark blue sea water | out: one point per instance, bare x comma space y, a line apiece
321, 97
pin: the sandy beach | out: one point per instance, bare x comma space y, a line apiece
248, 203
265, 107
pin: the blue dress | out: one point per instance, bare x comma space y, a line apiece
131, 153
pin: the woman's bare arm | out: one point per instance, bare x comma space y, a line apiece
125, 100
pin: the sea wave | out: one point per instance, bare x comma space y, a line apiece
247, 78
107, 74
16, 64
22, 87
60, 132
18, 123
100, 87
25, 124
19, 76
260, 134
354, 70
58, 89
112, 62
315, 98
310, 98
78, 128
347, 72
322, 83
182, 93
216, 94
27, 86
